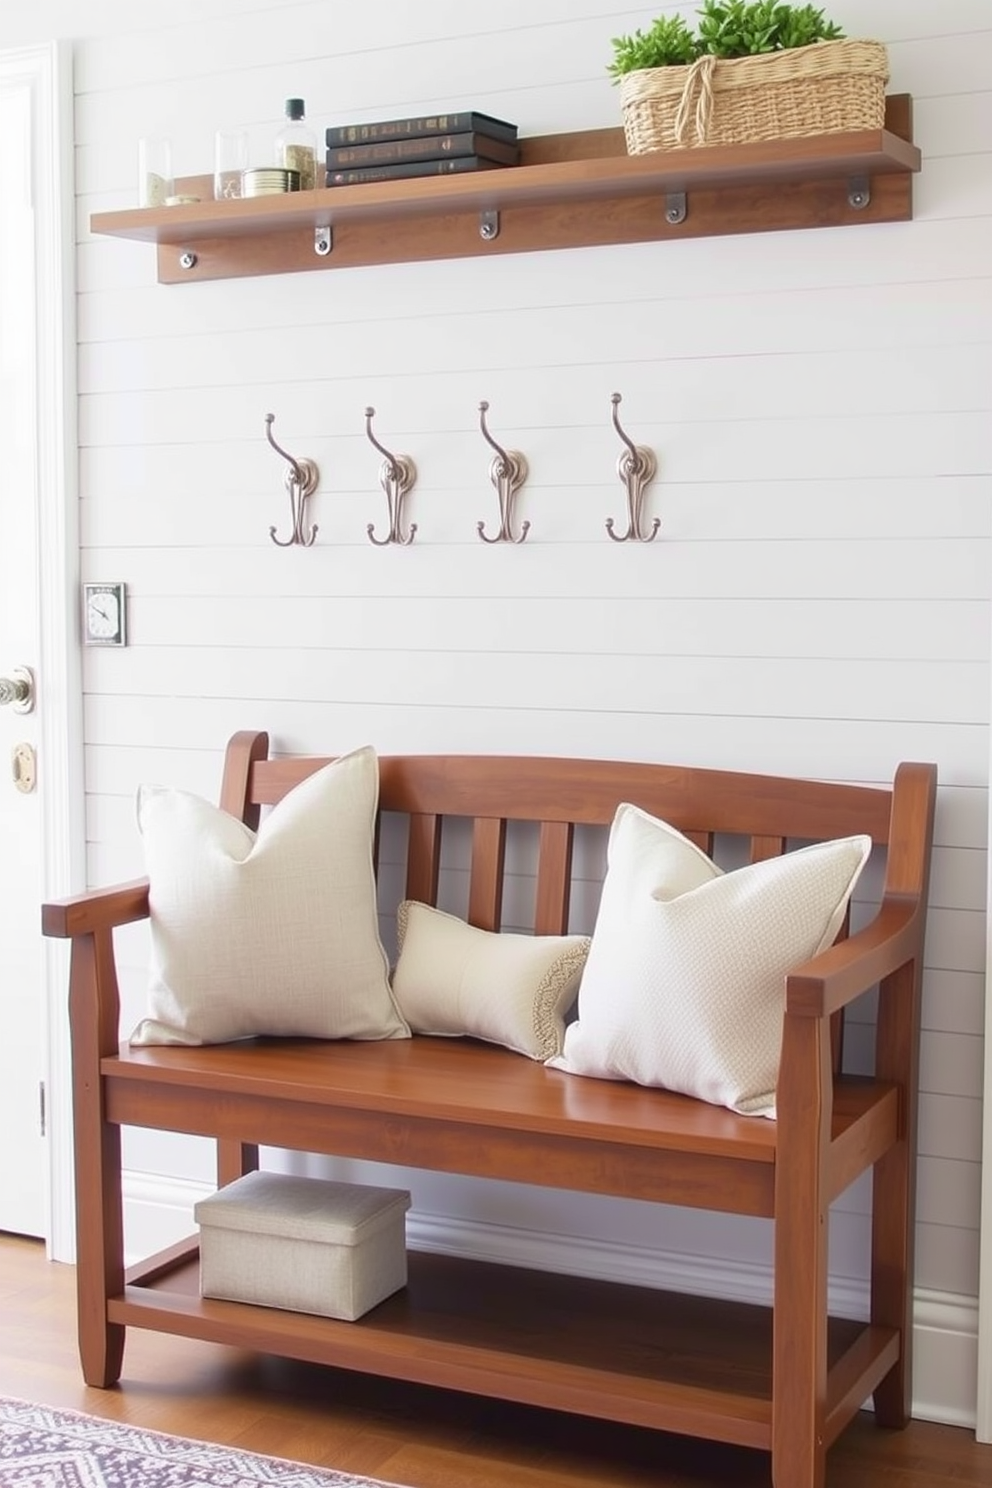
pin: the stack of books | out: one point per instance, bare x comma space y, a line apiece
428, 145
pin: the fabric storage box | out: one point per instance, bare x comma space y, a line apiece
305, 1244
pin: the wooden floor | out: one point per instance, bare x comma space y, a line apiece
406, 1434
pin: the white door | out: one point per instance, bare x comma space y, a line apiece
40, 773
23, 1153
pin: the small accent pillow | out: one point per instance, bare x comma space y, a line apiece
274, 932
515, 990
684, 985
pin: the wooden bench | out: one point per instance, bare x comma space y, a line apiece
786, 1378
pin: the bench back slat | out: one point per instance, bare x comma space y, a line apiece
554, 878
423, 860
763, 848
485, 894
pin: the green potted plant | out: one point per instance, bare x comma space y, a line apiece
751, 70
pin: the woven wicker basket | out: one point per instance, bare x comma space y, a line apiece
828, 88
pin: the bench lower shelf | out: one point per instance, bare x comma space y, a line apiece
692, 1365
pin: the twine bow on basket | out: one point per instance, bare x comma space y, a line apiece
696, 104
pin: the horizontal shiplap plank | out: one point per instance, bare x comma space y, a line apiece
947, 1259
703, 686
953, 124
950, 1127
821, 748
951, 1063
954, 1001
862, 629
958, 879
956, 939
589, 566
776, 338
127, 52
174, 508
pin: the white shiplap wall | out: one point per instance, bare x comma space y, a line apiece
817, 603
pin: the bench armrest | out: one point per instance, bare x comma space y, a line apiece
99, 909
841, 973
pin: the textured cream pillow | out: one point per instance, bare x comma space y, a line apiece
514, 990
684, 985
274, 932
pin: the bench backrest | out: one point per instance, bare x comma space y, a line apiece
772, 812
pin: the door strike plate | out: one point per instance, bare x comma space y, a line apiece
24, 768
488, 226
323, 241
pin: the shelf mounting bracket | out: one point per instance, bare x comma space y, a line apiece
858, 192
675, 208
488, 226
323, 241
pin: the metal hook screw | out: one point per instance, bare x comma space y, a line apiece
397, 474
508, 471
301, 482
636, 467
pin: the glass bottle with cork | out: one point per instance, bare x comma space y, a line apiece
296, 145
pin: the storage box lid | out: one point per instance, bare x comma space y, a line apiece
302, 1208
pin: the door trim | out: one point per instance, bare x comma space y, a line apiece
46, 71
983, 1413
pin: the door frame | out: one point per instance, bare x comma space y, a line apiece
983, 1412
46, 72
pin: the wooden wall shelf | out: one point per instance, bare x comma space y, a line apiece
569, 191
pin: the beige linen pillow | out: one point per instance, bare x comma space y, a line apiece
274, 932
515, 990
684, 985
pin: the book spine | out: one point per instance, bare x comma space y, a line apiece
429, 147
418, 125
456, 166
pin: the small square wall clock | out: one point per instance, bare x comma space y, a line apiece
104, 615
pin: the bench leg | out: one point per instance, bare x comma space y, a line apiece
234, 1160
893, 1196
799, 1349
99, 1219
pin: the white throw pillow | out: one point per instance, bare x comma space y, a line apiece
515, 990
274, 932
684, 986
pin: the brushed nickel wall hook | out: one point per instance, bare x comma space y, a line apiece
301, 482
636, 467
508, 471
397, 474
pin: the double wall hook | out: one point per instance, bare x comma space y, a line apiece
397, 474
301, 482
636, 467
508, 471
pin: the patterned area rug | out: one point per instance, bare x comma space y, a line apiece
41, 1447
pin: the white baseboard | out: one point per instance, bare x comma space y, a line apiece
159, 1211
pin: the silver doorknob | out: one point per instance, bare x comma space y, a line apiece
17, 691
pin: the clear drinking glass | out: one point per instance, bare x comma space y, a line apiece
154, 172
230, 159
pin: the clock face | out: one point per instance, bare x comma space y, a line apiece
103, 614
